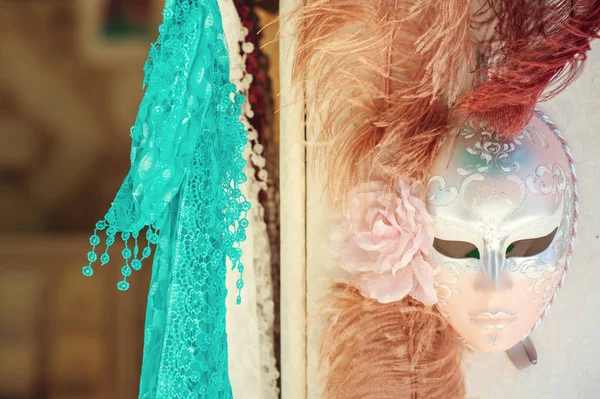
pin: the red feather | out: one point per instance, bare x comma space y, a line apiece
535, 50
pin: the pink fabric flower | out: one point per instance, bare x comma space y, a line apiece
383, 239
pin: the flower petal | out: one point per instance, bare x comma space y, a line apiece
386, 288
423, 289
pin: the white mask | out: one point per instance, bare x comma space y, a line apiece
505, 213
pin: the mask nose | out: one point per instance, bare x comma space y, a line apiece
492, 260
492, 276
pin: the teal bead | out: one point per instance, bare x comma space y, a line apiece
126, 253
123, 285
92, 257
136, 264
87, 271
239, 284
126, 271
147, 252
154, 239
94, 240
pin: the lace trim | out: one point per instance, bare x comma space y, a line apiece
258, 181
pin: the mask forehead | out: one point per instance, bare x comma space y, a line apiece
485, 186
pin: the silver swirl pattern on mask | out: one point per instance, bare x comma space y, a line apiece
575, 214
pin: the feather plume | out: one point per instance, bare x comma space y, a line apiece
400, 350
535, 49
380, 75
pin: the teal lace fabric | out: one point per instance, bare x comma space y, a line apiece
183, 191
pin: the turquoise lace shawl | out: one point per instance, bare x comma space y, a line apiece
183, 190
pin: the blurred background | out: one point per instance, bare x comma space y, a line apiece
70, 84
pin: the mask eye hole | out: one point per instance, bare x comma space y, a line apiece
530, 247
456, 249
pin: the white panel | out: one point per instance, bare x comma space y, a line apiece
293, 222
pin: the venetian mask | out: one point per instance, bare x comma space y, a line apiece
504, 211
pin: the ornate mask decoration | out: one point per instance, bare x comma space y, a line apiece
505, 213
